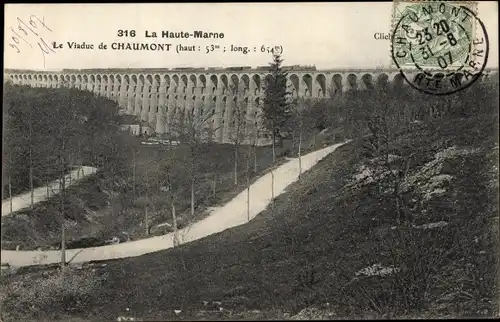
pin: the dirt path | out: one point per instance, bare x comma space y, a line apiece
232, 214
40, 194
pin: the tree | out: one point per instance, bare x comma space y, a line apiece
238, 133
192, 128
255, 136
300, 122
215, 163
276, 107
63, 141
171, 184
151, 184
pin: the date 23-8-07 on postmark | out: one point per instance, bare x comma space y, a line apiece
440, 47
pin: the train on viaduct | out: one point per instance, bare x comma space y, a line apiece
156, 95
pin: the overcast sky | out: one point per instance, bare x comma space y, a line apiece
328, 35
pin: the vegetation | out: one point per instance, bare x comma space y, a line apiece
401, 222
139, 190
86, 134
276, 107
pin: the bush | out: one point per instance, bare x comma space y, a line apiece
69, 291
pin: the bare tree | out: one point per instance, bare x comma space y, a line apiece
192, 129
249, 157
238, 134
383, 121
30, 149
300, 123
215, 162
63, 141
257, 126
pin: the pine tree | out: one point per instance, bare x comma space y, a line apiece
276, 109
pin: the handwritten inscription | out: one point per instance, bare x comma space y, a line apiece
30, 33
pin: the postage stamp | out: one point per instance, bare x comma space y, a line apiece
440, 47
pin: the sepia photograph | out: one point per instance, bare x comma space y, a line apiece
250, 161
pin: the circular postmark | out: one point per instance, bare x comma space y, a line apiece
439, 47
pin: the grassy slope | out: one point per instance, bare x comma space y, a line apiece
305, 254
89, 212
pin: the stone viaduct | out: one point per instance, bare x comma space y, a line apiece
156, 95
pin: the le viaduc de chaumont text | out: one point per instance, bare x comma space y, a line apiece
144, 46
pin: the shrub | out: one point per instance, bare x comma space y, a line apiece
71, 291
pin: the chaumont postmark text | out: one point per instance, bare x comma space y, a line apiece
445, 43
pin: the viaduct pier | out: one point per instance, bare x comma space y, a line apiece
157, 95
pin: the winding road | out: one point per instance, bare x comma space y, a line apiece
232, 214
40, 194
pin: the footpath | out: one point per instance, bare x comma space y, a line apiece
232, 214
40, 194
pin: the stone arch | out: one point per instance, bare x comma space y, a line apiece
295, 84
336, 84
141, 81
184, 81
397, 81
321, 85
215, 83
257, 82
112, 82
367, 81
175, 78
382, 81
193, 80
192, 83
149, 80
126, 82
155, 79
224, 83
352, 80
245, 82
307, 81
202, 79
166, 80
235, 83
104, 82
133, 80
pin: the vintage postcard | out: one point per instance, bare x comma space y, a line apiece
250, 161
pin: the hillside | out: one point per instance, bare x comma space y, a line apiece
307, 257
97, 210
127, 198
